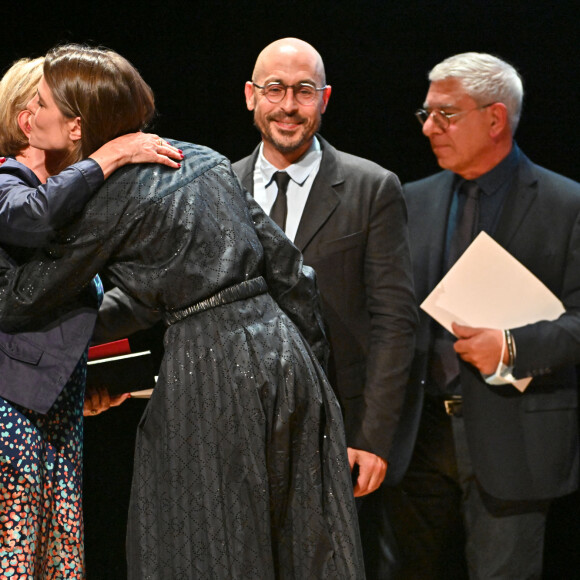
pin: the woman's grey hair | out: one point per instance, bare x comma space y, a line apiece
486, 79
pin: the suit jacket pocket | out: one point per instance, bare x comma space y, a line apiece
341, 244
351, 380
557, 400
18, 349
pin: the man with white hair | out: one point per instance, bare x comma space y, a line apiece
489, 459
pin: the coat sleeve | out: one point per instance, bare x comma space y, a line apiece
392, 310
53, 281
545, 346
29, 213
120, 316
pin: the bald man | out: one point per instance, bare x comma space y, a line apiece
348, 217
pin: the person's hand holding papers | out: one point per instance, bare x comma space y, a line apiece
485, 292
481, 347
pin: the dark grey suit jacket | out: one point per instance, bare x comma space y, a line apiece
523, 446
353, 233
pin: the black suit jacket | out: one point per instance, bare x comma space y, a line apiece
523, 446
353, 233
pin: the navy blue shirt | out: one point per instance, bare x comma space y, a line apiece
494, 186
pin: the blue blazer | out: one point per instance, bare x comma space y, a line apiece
35, 365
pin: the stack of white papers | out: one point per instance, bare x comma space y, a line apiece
488, 288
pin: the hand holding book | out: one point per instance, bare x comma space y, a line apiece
99, 400
114, 367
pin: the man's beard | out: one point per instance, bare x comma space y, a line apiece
283, 146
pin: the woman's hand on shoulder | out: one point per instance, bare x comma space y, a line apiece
136, 148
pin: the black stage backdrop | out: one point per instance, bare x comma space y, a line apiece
197, 55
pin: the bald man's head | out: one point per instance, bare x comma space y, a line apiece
288, 95
288, 50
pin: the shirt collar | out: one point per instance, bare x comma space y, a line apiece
298, 171
501, 174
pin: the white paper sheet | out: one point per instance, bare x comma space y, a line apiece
487, 287
145, 394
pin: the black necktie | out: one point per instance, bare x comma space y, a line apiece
444, 364
279, 210
466, 226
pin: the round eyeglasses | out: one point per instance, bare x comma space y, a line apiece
304, 93
441, 118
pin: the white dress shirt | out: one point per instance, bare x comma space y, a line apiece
302, 175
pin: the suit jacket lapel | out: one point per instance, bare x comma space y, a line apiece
246, 175
518, 202
434, 225
322, 199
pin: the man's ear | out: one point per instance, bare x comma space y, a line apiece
23, 120
74, 126
499, 119
249, 92
325, 97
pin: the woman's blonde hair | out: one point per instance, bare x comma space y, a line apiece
17, 87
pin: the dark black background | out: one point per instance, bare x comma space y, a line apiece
197, 55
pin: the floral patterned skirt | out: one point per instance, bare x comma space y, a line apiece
41, 520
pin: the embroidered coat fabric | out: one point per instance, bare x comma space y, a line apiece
241, 468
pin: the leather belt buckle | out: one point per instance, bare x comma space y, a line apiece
454, 406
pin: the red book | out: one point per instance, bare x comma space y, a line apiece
112, 365
108, 349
